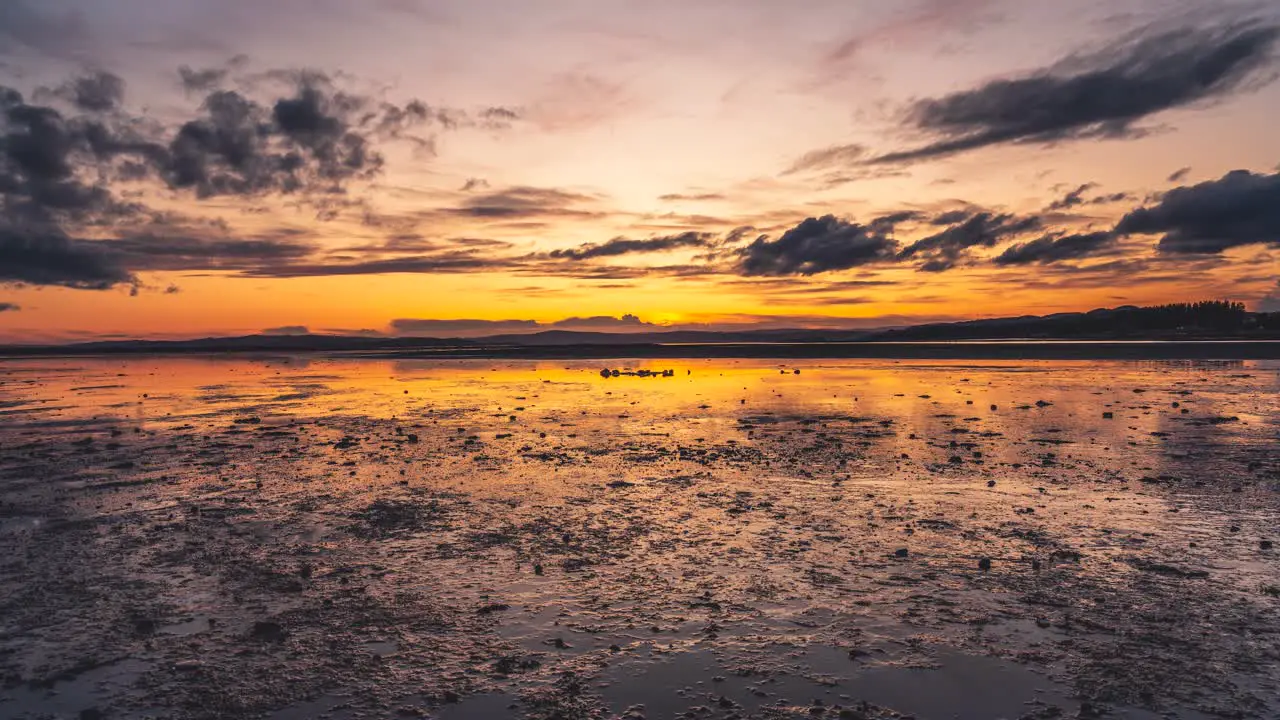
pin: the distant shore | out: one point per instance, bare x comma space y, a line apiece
958, 350
1037, 350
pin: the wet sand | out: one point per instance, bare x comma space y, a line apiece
295, 538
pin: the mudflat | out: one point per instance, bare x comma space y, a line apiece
299, 537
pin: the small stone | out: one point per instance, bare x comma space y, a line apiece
268, 631
984, 564
1035, 565
1265, 544
901, 552
991, 483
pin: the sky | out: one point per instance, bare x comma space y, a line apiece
184, 168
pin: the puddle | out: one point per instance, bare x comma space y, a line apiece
90, 689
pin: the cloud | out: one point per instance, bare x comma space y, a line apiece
96, 92
1051, 249
826, 158
525, 202
287, 330
148, 251
1269, 303
818, 245
696, 197
61, 173
25, 26
9, 307
1105, 94
446, 262
314, 141
1240, 208
623, 246
1077, 197
1179, 175
479, 328
945, 249
32, 258
203, 80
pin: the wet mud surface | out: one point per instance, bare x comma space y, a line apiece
288, 538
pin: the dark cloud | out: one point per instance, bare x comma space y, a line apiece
96, 92
1051, 249
317, 140
152, 252
59, 173
445, 262
203, 80
475, 184
623, 246
1240, 208
1073, 198
818, 245
9, 307
525, 202
835, 156
1105, 94
945, 249
32, 258
1179, 175
1078, 197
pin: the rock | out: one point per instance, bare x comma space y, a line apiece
92, 713
901, 552
537, 568
991, 483
268, 631
1108, 416
984, 564
1035, 565
994, 408
1265, 544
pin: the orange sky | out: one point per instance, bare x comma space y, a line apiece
572, 159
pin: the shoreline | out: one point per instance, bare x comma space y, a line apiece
1206, 350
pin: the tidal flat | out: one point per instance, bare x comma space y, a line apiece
308, 537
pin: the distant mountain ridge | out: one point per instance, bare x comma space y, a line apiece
1213, 320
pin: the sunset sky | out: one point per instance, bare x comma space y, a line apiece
177, 168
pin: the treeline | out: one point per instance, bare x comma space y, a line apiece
1198, 320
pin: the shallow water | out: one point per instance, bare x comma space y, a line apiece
291, 537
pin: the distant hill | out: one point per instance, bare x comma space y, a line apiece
1211, 320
